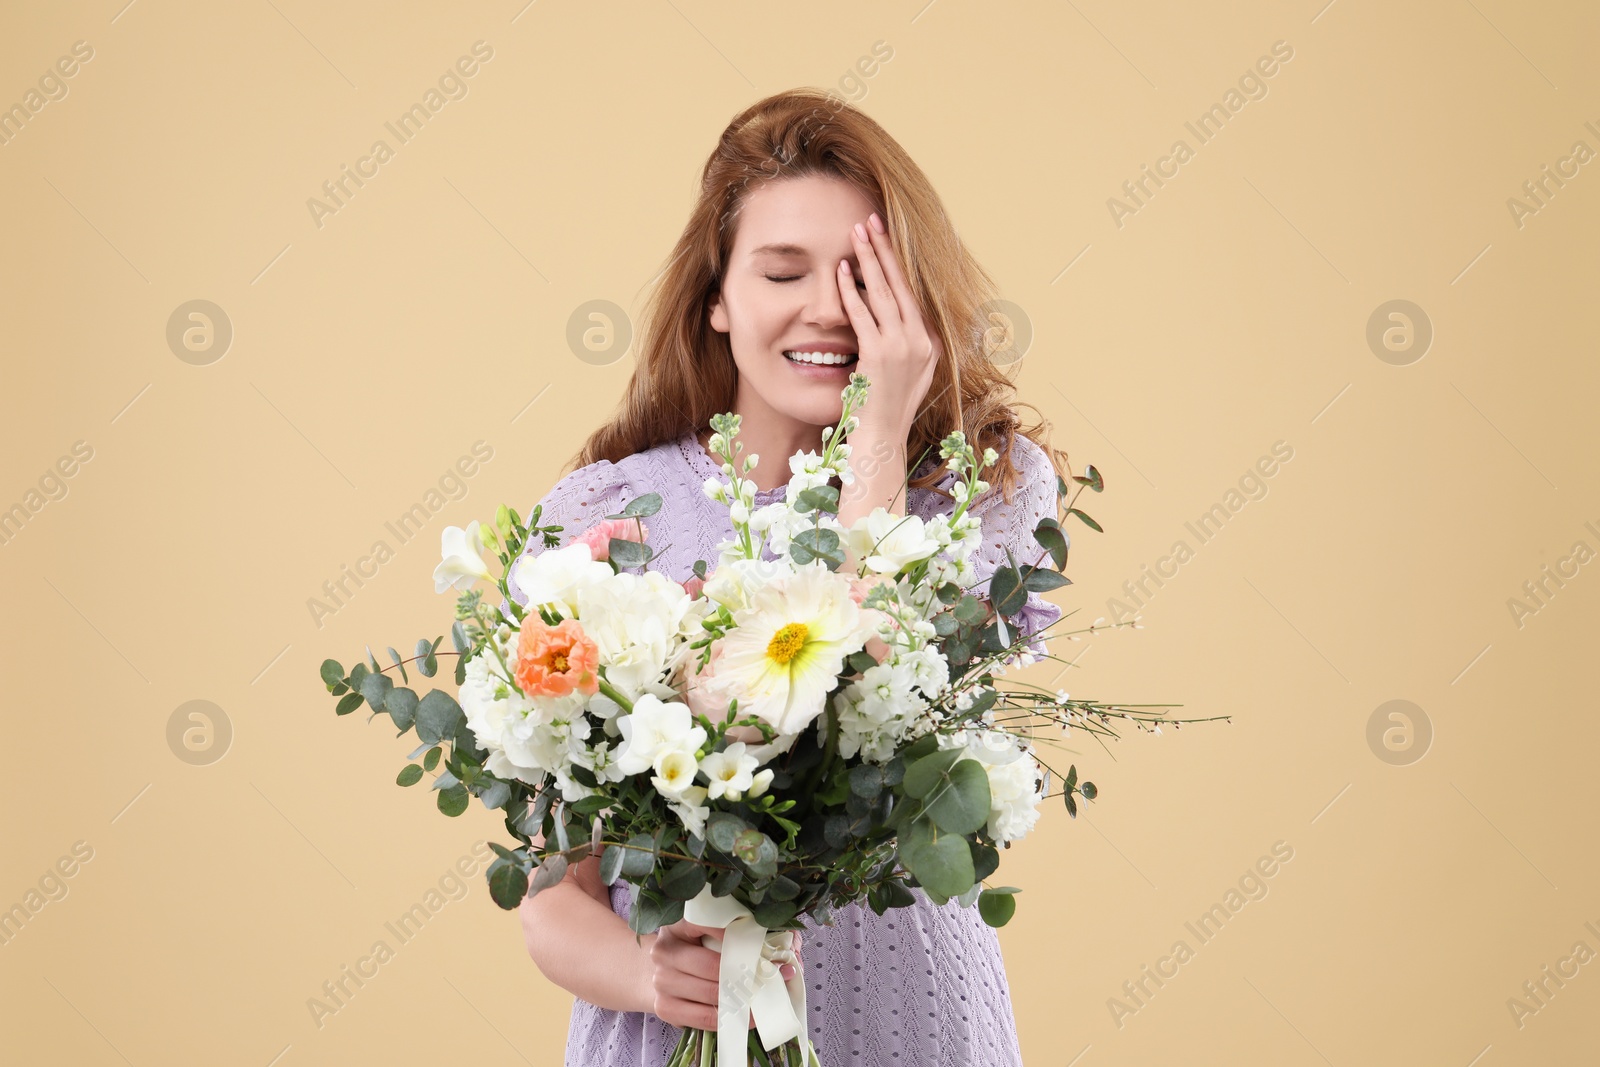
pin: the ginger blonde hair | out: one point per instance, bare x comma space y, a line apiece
685, 372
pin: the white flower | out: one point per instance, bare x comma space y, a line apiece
730, 772
654, 726
691, 810
786, 650
1016, 784
642, 625
555, 576
889, 543
675, 770
462, 564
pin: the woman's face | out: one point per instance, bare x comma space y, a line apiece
780, 293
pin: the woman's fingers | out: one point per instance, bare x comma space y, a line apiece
886, 309
889, 263
861, 320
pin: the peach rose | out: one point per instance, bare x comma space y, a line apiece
554, 661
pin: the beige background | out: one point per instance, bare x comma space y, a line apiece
430, 312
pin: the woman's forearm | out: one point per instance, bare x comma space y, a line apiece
587, 949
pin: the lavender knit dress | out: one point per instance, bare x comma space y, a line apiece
921, 985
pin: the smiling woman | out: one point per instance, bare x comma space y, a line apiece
817, 250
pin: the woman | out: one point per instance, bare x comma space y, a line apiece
793, 257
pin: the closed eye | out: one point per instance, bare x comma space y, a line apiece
860, 283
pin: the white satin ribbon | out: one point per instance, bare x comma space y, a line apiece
748, 978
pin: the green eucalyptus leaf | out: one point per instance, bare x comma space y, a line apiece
611, 864
773, 914
332, 672
1087, 521
639, 859
723, 829
508, 886
925, 774
453, 801
757, 851
626, 553
349, 703
398, 663
683, 880
458, 637
496, 795
1043, 579
401, 704
960, 803
1053, 538
941, 861
437, 716
548, 873
431, 760
998, 905
375, 688
410, 774
1006, 591
639, 507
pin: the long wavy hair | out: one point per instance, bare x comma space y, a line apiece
685, 372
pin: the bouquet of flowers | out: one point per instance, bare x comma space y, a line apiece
768, 741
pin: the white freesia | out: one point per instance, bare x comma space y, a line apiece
691, 809
730, 772
554, 577
888, 543
654, 726
675, 771
462, 565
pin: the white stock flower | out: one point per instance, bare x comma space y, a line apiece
555, 576
462, 565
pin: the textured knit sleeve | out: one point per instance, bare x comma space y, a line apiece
1034, 498
576, 502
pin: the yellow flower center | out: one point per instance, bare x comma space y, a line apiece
787, 642
558, 661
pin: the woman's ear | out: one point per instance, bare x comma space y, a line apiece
719, 315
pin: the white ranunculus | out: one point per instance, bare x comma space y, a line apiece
554, 577
462, 565
888, 543
654, 725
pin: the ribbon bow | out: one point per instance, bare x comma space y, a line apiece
748, 978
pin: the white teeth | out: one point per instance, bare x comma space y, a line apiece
827, 358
